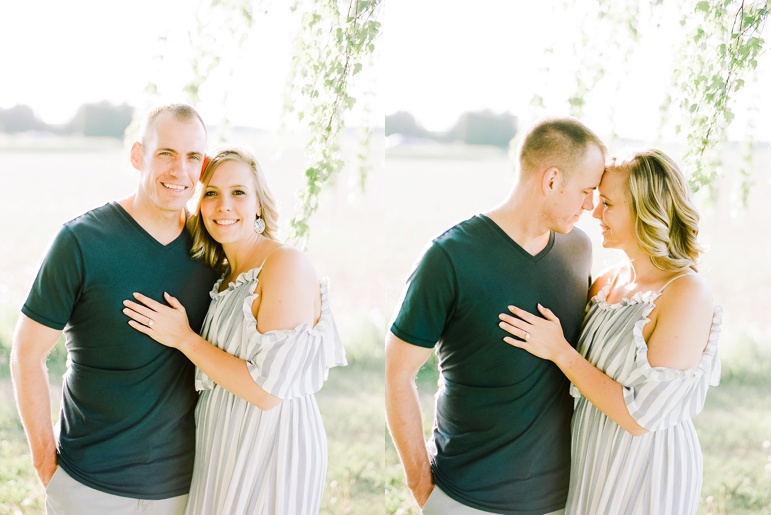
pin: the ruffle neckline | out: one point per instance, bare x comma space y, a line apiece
324, 328
708, 364
325, 319
243, 277
641, 297
251, 276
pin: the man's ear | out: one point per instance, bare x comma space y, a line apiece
137, 158
550, 179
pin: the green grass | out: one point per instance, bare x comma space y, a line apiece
737, 468
735, 432
20, 489
353, 416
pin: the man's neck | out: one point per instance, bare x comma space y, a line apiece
164, 226
523, 224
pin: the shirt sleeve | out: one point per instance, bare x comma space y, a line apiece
660, 397
58, 284
428, 300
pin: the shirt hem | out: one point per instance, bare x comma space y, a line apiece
131, 495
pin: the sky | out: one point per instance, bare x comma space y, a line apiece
436, 59
444, 58
58, 55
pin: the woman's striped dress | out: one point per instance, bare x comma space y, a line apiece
250, 461
660, 472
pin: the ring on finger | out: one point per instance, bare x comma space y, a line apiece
527, 336
149, 322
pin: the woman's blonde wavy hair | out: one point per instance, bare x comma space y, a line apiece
666, 219
204, 246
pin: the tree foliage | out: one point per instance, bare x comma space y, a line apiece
721, 43
102, 119
336, 39
485, 128
19, 118
404, 123
721, 50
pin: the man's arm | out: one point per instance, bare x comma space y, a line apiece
32, 342
405, 421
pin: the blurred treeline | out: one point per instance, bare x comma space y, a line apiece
472, 128
102, 120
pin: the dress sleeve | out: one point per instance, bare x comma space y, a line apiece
659, 397
291, 363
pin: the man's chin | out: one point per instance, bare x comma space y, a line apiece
564, 229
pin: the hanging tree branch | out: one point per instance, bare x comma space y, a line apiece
335, 40
721, 50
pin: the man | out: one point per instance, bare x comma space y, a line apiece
501, 436
125, 440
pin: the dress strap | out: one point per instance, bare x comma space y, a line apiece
266, 258
675, 279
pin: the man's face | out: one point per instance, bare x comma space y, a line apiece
575, 192
170, 161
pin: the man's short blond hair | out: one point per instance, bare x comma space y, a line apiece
556, 142
181, 112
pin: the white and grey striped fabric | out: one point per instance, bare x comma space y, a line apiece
250, 461
660, 471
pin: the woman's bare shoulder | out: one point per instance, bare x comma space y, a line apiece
605, 276
287, 265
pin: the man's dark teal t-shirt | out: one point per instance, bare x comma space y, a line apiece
127, 416
501, 436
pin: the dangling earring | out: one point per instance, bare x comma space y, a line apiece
259, 225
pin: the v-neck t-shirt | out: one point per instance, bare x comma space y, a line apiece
127, 414
501, 436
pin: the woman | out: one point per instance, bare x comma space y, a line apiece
260, 442
647, 352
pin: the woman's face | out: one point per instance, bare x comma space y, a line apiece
614, 211
229, 203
